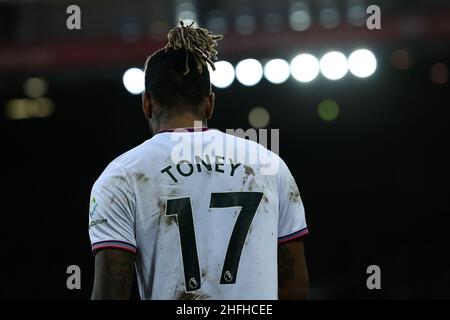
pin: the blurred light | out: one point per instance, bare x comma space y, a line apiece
216, 22
245, 24
44, 107
273, 22
158, 30
259, 117
328, 110
185, 11
305, 67
356, 14
277, 71
402, 59
411, 27
35, 87
223, 76
362, 63
249, 72
130, 32
439, 73
299, 17
159, 20
334, 65
329, 18
134, 80
19, 109
188, 18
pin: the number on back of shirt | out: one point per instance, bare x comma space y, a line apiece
182, 209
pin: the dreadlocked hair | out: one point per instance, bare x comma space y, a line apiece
177, 75
198, 41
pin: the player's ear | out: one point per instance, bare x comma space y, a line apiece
147, 104
211, 100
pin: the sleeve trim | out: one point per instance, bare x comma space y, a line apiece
116, 244
297, 234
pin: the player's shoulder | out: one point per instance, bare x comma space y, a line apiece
126, 162
150, 148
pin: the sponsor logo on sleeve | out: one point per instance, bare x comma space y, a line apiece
92, 210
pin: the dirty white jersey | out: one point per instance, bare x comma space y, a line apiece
202, 210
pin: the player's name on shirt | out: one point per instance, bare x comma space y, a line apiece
186, 168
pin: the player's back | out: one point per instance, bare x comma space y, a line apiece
202, 211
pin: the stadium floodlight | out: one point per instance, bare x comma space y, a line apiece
299, 16
362, 63
305, 67
224, 74
35, 87
299, 20
134, 80
216, 21
186, 12
249, 72
276, 71
356, 13
334, 65
245, 24
259, 117
329, 18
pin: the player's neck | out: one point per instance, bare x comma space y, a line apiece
187, 120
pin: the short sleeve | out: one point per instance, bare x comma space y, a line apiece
111, 211
292, 221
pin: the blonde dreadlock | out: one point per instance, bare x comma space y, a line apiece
198, 41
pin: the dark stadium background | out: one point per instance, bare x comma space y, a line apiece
374, 181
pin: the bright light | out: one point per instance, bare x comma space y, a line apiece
305, 67
224, 74
362, 63
276, 71
134, 80
186, 12
188, 19
334, 65
249, 72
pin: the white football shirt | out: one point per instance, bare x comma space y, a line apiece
204, 212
